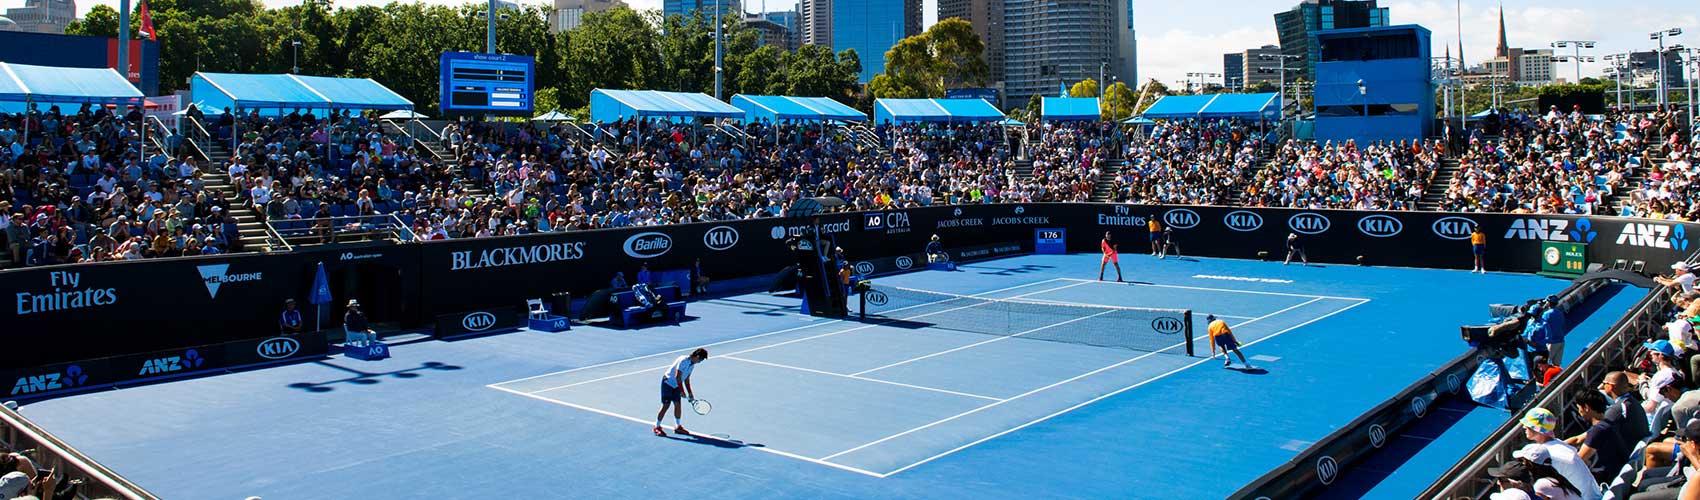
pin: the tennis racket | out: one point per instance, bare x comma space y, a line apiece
701, 406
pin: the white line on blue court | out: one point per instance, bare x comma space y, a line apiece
793, 341
1205, 288
776, 332
1042, 389
698, 436
1106, 396
864, 379
976, 344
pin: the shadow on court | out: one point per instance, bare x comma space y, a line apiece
717, 441
1250, 371
1009, 271
368, 378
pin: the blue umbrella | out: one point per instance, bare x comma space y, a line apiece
320, 296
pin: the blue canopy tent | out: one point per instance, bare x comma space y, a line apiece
54, 85
612, 105
1178, 107
1216, 106
239, 91
776, 108
935, 110
1069, 109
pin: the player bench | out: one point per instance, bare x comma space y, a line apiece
628, 312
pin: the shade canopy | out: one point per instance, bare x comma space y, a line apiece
50, 84
935, 110
1213, 106
1069, 108
403, 114
553, 116
776, 108
221, 90
613, 105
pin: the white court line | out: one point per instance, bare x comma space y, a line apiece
865, 379
976, 344
787, 330
812, 337
1118, 391
1229, 290
1041, 389
694, 434
1109, 306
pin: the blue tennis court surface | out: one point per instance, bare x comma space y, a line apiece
901, 406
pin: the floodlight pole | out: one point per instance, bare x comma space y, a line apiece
124, 39
490, 29
717, 50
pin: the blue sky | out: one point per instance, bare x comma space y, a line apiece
1177, 37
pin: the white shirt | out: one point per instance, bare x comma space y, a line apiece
1681, 334
1548, 488
1572, 467
1687, 282
682, 367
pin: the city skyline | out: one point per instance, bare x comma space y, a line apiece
1177, 38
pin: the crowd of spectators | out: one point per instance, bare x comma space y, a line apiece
77, 188
1189, 162
1557, 162
1379, 176
1670, 190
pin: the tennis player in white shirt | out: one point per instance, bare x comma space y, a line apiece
677, 381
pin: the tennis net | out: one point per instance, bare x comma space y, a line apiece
1139, 329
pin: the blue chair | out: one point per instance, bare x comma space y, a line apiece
336, 211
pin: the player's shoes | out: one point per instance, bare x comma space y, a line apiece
680, 430
659, 432
1227, 363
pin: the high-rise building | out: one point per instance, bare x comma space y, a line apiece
872, 27
1535, 67
816, 22
1233, 70
1049, 45
569, 14
987, 18
42, 16
1645, 68
772, 32
688, 7
1297, 27
1262, 64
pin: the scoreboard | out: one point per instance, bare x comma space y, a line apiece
1050, 240
475, 82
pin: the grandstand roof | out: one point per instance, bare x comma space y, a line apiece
220, 90
1216, 106
610, 105
935, 110
775, 108
23, 82
1069, 108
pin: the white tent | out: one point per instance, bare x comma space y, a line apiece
553, 116
403, 114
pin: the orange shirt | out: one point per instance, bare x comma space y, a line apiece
1218, 327
1478, 238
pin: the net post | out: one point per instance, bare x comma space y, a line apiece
1187, 318
862, 299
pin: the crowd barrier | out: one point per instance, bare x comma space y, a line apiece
98, 481
65, 314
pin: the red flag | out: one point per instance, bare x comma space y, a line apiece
147, 22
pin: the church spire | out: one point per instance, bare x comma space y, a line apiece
1504, 49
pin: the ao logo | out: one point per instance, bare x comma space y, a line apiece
864, 268
478, 321
1327, 470
1419, 407
876, 297
1380, 226
1453, 228
721, 238
278, 348
1167, 325
1377, 435
905, 262
1243, 221
648, 245
1181, 218
1452, 382
778, 232
957, 212
1019, 210
1308, 223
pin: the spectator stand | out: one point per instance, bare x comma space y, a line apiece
1616, 349
607, 106
37, 85
1250, 107
777, 109
18, 433
1066, 109
275, 93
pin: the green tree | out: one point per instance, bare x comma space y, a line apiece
1118, 102
100, 21
1084, 88
612, 49
947, 55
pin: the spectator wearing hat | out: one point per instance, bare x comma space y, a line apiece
1601, 445
1513, 480
1681, 277
1538, 427
21, 480
289, 322
1539, 477
359, 331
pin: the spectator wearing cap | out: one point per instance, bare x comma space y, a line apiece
1513, 479
1601, 445
1681, 277
1538, 427
359, 331
1534, 463
17, 240
290, 321
1665, 392
21, 480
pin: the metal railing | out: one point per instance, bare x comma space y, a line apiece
289, 233
97, 480
196, 135
157, 134
1469, 478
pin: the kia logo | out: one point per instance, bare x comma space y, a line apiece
1243, 221
905, 262
1308, 223
1377, 435
1327, 470
1181, 218
648, 245
1453, 228
478, 321
1380, 226
864, 268
720, 238
1452, 382
1419, 407
1168, 325
876, 297
278, 348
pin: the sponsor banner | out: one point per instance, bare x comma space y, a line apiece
489, 320
95, 373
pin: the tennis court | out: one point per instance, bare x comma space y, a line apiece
931, 398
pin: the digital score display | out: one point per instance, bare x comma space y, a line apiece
475, 82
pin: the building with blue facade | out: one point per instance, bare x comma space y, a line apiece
1298, 26
1374, 84
872, 27
687, 7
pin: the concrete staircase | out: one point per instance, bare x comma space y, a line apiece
1436, 191
439, 151
252, 234
1106, 185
